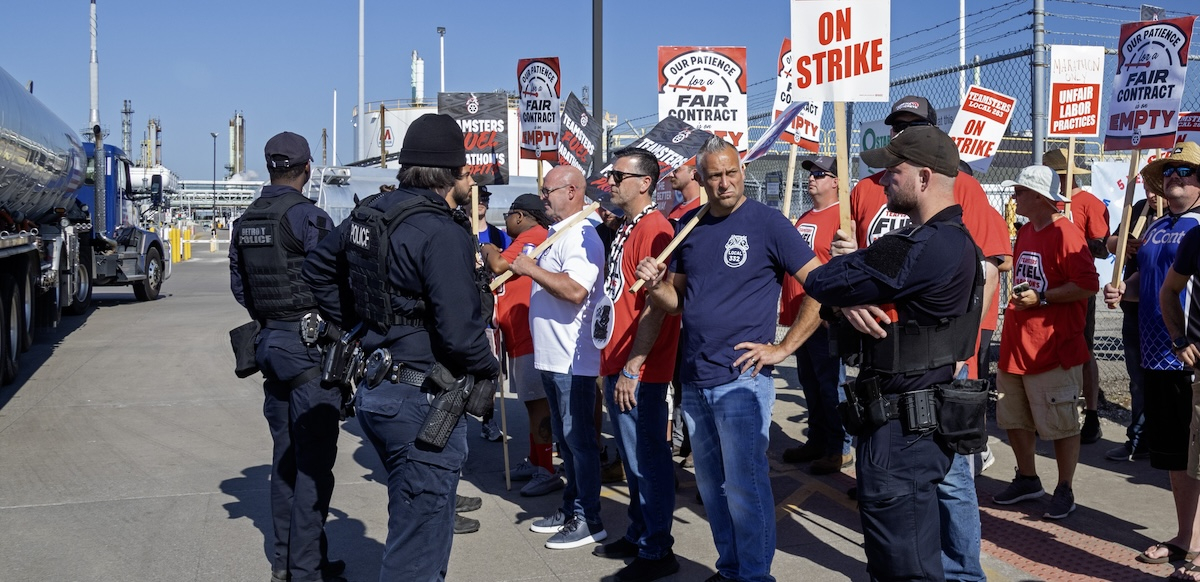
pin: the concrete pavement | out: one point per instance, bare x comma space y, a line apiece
129, 451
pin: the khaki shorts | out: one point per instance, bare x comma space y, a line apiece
524, 380
1193, 462
1047, 403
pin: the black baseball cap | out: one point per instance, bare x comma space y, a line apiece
287, 150
924, 145
918, 106
532, 204
823, 163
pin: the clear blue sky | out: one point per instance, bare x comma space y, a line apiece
193, 64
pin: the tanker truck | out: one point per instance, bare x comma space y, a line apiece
58, 239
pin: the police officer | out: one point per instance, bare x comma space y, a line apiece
929, 271
270, 242
411, 285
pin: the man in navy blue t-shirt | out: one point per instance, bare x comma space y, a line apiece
729, 274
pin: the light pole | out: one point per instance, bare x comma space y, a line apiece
442, 58
214, 185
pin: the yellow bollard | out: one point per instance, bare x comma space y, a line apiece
187, 246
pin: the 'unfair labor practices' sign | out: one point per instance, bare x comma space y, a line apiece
805, 129
980, 125
579, 135
1076, 84
1151, 68
841, 49
540, 85
705, 87
482, 117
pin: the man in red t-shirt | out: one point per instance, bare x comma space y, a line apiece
527, 222
1091, 216
820, 372
684, 180
637, 362
1042, 351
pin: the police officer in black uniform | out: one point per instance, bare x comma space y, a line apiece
927, 276
411, 283
270, 243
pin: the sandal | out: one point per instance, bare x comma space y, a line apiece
1191, 572
1174, 554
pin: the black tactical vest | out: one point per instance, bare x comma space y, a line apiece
368, 254
270, 260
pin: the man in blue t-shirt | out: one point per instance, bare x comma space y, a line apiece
728, 273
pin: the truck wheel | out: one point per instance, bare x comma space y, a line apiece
81, 296
9, 329
147, 289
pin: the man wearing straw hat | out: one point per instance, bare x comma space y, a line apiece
725, 279
1091, 216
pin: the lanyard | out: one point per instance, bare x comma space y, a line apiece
612, 281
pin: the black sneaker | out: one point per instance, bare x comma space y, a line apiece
618, 550
803, 453
330, 571
463, 504
1022, 488
1062, 504
718, 578
1090, 432
465, 525
575, 533
645, 570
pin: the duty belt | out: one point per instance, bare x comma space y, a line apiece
379, 367
282, 325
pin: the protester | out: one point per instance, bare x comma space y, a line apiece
684, 180
727, 273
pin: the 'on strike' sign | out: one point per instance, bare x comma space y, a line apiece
979, 126
841, 49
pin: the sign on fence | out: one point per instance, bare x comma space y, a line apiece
842, 49
1149, 84
541, 87
1076, 86
706, 88
980, 125
805, 129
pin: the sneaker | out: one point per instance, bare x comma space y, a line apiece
831, 464
613, 472
982, 460
1021, 489
645, 570
1123, 453
1091, 431
718, 578
491, 431
576, 532
524, 471
1062, 504
549, 524
618, 550
465, 525
687, 463
463, 504
542, 483
331, 571
802, 454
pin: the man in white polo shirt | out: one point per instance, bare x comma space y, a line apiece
566, 286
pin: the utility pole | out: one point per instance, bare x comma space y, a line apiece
1039, 81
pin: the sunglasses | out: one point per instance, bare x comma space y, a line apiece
1183, 171
547, 191
900, 126
819, 174
516, 213
618, 176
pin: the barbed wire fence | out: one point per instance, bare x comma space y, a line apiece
1009, 73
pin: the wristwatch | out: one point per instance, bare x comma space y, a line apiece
1042, 299
1180, 343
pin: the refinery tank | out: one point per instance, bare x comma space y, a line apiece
41, 160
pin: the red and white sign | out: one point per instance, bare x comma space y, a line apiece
1151, 68
1189, 127
980, 125
541, 88
805, 129
1076, 85
842, 49
706, 88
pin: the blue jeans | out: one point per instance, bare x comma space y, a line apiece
572, 402
958, 507
646, 454
1133, 365
729, 426
821, 374
421, 480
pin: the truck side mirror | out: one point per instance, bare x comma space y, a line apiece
156, 196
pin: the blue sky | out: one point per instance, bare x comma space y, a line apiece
193, 64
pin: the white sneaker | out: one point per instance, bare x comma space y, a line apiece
982, 460
523, 471
542, 483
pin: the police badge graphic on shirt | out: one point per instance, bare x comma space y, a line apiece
735, 250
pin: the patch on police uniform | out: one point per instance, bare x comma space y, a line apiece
888, 255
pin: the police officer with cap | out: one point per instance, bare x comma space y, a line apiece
270, 243
920, 286
410, 262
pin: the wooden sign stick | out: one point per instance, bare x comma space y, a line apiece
1067, 189
789, 180
843, 167
1123, 233
537, 252
663, 256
